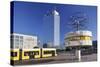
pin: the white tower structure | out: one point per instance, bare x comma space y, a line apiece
56, 29
52, 28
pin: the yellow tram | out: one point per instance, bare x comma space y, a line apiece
14, 54
30, 53
48, 52
36, 53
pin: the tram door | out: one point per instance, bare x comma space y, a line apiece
31, 55
20, 54
53, 53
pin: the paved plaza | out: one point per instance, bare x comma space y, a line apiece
61, 58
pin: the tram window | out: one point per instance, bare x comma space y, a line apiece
36, 52
13, 54
26, 53
53, 51
48, 52
31, 53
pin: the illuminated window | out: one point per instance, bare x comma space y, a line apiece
82, 38
88, 38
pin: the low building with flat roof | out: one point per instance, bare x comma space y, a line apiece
21, 41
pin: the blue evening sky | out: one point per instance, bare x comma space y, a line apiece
28, 18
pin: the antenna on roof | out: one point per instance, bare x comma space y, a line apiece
78, 21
